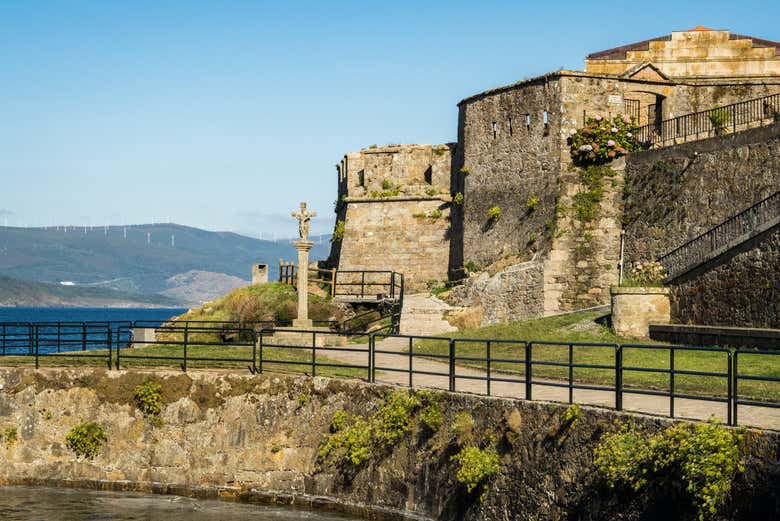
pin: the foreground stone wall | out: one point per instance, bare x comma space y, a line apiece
741, 288
677, 193
257, 437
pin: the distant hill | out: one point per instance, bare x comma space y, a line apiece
15, 292
138, 259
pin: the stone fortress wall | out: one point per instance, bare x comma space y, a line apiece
394, 203
513, 155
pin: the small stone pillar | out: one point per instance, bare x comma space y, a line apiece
635, 308
259, 274
303, 247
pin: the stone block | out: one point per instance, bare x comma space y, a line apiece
634, 309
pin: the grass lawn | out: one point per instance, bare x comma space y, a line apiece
588, 327
279, 360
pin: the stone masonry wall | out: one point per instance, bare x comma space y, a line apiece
257, 438
741, 288
407, 235
511, 157
677, 193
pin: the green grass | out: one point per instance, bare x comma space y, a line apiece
233, 358
584, 328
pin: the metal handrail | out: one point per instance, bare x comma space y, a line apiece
714, 121
747, 224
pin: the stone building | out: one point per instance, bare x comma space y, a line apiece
512, 159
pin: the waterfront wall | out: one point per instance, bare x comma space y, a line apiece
258, 436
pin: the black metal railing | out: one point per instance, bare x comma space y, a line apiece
669, 380
368, 285
740, 227
712, 122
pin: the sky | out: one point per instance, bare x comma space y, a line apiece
225, 115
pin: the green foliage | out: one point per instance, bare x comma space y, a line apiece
303, 399
476, 466
10, 435
494, 214
431, 191
471, 266
355, 442
86, 439
388, 190
602, 140
435, 214
148, 398
586, 202
705, 457
465, 170
719, 118
533, 238
646, 274
463, 427
532, 204
572, 415
458, 199
387, 184
440, 150
338, 231
432, 416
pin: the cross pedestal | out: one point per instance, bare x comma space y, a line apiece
303, 320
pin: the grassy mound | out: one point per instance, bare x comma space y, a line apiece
274, 302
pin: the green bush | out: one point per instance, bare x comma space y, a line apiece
532, 204
338, 231
705, 457
719, 118
572, 415
458, 199
471, 266
148, 398
10, 435
476, 466
432, 416
602, 140
494, 214
356, 441
86, 439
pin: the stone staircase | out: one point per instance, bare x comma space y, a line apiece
423, 314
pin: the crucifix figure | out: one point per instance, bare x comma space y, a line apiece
304, 221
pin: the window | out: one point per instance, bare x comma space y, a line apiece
428, 175
362, 178
510, 125
546, 118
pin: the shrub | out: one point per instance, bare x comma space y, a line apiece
86, 439
395, 416
602, 140
650, 273
10, 435
387, 184
458, 199
532, 204
432, 416
719, 118
572, 415
338, 231
339, 420
353, 443
463, 427
476, 466
705, 457
494, 214
148, 398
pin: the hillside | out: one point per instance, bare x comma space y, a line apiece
139, 259
15, 292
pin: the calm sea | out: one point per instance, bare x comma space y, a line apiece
87, 314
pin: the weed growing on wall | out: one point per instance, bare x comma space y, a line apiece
532, 204
148, 399
457, 199
719, 118
572, 415
586, 202
356, 440
476, 466
601, 140
10, 435
86, 439
463, 428
704, 457
338, 231
494, 214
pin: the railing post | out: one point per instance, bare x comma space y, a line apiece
254, 350
372, 357
528, 370
452, 365
488, 366
186, 337
110, 346
4, 339
37, 342
571, 373
260, 352
59, 336
730, 402
671, 382
314, 353
411, 355
83, 336
619, 378
734, 390
362, 284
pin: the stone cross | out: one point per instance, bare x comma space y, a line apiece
304, 221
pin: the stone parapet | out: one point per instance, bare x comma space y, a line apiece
634, 309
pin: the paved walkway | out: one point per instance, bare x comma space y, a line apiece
391, 357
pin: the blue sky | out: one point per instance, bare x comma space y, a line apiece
224, 115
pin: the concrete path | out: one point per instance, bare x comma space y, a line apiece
392, 359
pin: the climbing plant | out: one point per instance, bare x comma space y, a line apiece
601, 140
